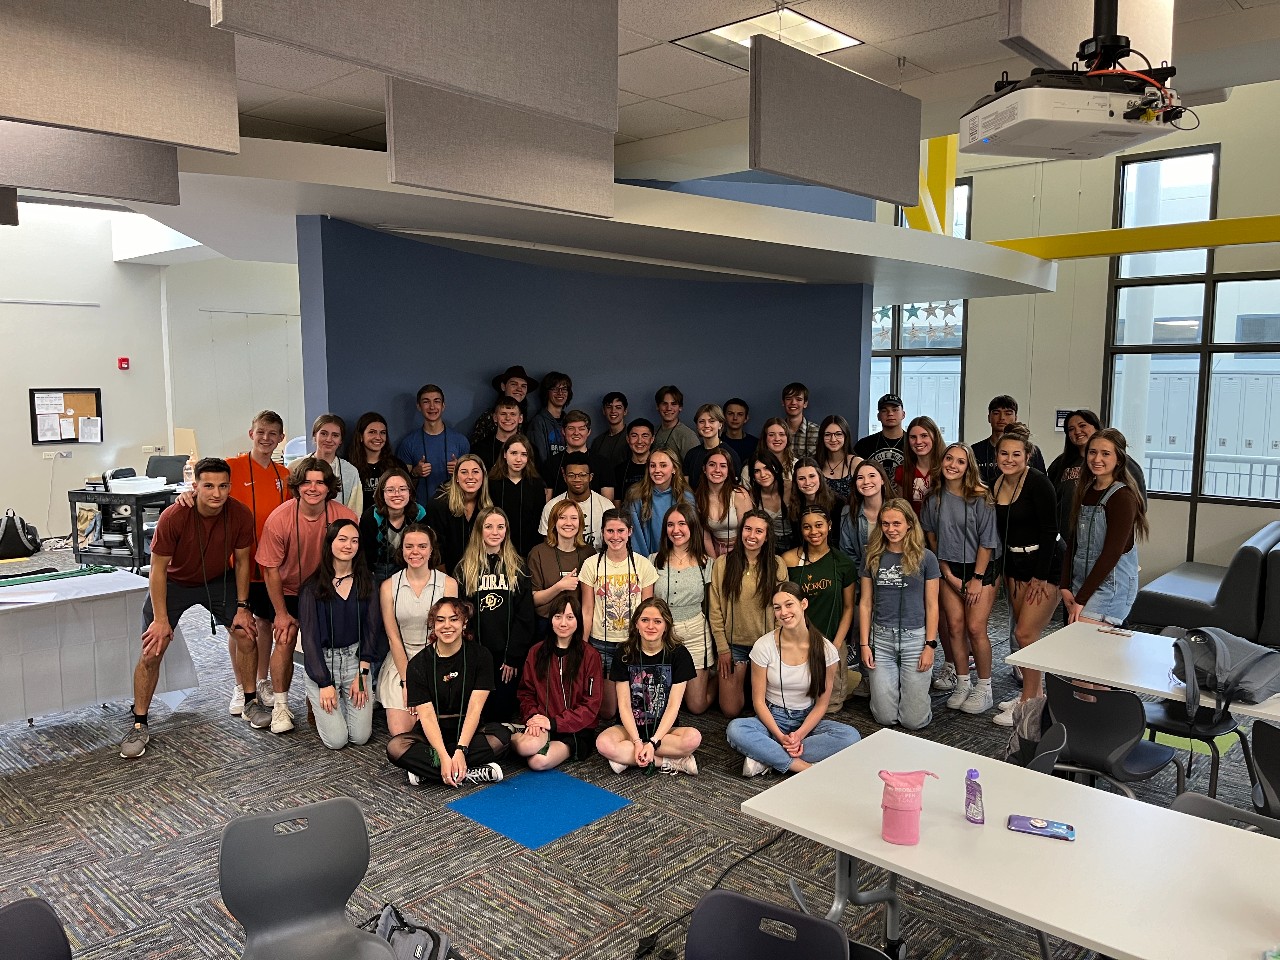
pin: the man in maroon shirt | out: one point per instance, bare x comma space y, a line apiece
191, 566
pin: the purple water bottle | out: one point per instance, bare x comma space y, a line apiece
973, 798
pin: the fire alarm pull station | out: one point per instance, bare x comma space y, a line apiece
122, 363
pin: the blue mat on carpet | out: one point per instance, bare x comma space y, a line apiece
534, 808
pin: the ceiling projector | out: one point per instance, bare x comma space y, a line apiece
1077, 114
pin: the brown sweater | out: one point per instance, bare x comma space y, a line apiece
546, 566
740, 620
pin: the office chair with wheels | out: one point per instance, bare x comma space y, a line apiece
1198, 805
1169, 716
1050, 747
287, 877
1106, 735
30, 930
1266, 762
730, 924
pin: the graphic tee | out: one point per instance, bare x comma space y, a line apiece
617, 588
651, 679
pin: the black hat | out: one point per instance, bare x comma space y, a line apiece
889, 400
516, 371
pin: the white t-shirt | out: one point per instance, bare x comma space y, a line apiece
786, 685
592, 508
617, 588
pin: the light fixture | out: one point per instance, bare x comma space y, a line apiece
732, 43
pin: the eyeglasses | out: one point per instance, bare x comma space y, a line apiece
577, 476
833, 436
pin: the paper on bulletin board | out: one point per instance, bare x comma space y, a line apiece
47, 426
90, 429
50, 403
68, 428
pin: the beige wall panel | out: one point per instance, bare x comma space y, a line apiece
87, 164
1221, 528
559, 59
149, 69
448, 141
1167, 547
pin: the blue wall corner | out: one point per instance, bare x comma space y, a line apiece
769, 190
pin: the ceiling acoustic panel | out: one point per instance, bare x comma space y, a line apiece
558, 59
817, 122
87, 164
442, 140
1048, 32
149, 69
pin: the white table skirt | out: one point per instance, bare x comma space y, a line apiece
79, 648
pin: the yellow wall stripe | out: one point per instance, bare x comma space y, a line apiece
937, 186
1169, 236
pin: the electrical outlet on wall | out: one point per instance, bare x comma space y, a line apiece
148, 449
49, 455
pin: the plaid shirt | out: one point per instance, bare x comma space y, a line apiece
804, 442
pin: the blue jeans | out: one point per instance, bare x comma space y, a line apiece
899, 692
346, 724
749, 736
607, 650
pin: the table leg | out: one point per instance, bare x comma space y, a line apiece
847, 892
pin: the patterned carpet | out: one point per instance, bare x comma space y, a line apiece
127, 851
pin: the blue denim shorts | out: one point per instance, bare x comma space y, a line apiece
607, 650
740, 653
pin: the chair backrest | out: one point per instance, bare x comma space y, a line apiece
167, 466
1269, 632
295, 866
1051, 746
1266, 762
1245, 581
1207, 808
730, 924
30, 930
1105, 724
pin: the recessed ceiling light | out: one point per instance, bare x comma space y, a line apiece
732, 42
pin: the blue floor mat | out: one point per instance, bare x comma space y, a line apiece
534, 808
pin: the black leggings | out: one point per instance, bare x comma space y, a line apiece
411, 751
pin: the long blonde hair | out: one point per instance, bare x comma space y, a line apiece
912, 543
475, 562
643, 491
456, 498
971, 485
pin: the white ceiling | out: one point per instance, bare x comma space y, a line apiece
929, 47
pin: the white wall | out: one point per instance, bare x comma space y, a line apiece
235, 347
64, 254
1048, 350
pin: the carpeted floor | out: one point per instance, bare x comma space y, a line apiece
127, 851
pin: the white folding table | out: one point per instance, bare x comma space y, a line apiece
1141, 662
78, 645
1140, 882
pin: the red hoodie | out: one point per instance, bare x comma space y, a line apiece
571, 713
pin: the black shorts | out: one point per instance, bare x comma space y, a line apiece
259, 601
581, 744
1020, 566
217, 596
964, 572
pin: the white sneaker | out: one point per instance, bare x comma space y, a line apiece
489, 773
414, 779
674, 765
946, 680
266, 696
281, 716
1003, 718
979, 700
236, 706
617, 767
1010, 703
753, 768
959, 694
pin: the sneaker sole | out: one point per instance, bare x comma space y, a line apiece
1003, 719
974, 712
135, 756
280, 729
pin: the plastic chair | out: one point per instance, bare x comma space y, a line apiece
30, 930
1170, 716
1050, 747
1266, 763
1198, 805
1106, 735
287, 877
730, 924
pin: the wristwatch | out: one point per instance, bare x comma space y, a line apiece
931, 644
364, 672
242, 604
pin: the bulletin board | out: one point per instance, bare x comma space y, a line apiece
66, 415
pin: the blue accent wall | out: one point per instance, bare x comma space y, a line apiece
770, 190
382, 315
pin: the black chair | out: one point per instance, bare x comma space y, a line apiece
730, 924
30, 930
287, 877
1266, 763
1106, 735
1049, 749
1170, 716
1198, 805
166, 466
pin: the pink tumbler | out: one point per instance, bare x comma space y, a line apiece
901, 804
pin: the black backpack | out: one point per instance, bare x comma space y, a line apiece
1230, 667
409, 940
18, 539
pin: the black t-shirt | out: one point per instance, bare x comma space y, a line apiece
878, 449
984, 455
448, 682
651, 679
601, 473
629, 472
744, 448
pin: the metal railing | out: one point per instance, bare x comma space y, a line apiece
1225, 475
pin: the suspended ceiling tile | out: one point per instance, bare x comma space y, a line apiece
874, 20
724, 101
377, 133
357, 143
1185, 11
288, 68
619, 138
308, 111
626, 99
662, 71
949, 48
672, 19
629, 41
363, 88
877, 64
653, 118
254, 95
264, 129
1249, 4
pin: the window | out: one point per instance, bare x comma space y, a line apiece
1194, 385
917, 349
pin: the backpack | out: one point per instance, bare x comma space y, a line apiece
18, 539
409, 940
1031, 719
1230, 667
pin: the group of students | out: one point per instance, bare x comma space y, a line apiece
563, 597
